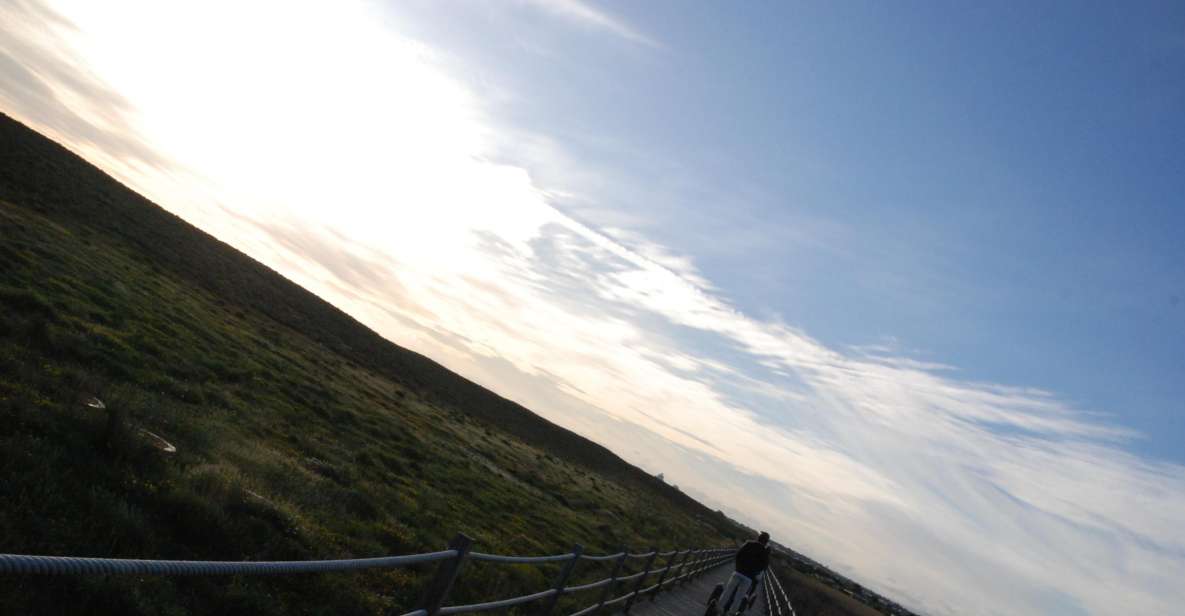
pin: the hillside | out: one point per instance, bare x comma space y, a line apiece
299, 432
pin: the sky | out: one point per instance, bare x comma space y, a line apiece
900, 284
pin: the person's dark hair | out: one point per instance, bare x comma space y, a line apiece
763, 538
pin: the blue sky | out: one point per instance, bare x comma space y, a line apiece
999, 181
900, 284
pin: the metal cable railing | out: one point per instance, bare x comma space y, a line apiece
771, 608
679, 567
519, 560
605, 557
589, 586
776, 585
493, 605
57, 565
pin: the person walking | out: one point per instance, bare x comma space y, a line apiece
751, 562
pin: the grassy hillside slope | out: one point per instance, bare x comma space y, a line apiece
299, 433
809, 595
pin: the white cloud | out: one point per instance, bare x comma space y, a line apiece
582, 13
963, 497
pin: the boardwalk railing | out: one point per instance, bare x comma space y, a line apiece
618, 592
777, 603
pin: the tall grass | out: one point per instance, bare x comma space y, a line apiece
291, 442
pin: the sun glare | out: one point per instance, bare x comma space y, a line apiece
329, 119
604, 269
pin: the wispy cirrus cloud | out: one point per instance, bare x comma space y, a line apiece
957, 496
58, 92
585, 15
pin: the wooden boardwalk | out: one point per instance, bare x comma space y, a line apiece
691, 599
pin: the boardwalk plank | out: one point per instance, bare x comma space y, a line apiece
690, 599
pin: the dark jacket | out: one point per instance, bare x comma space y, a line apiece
752, 559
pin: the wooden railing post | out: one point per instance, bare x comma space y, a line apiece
662, 578
700, 563
442, 582
688, 566
641, 580
722, 558
707, 564
562, 580
608, 592
717, 560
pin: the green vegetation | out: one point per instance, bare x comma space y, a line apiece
300, 434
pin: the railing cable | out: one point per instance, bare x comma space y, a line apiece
690, 563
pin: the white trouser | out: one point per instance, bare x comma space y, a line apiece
734, 591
